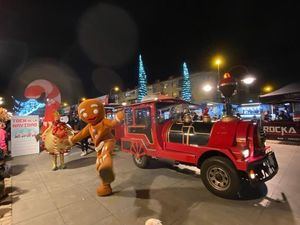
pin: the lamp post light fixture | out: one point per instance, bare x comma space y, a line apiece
207, 88
267, 88
248, 80
1, 101
115, 89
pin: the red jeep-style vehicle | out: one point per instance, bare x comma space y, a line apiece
227, 151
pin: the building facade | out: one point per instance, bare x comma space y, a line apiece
203, 86
173, 86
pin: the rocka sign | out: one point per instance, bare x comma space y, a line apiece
282, 130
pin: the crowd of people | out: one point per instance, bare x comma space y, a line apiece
281, 115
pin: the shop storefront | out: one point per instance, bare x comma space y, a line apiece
251, 111
283, 122
282, 130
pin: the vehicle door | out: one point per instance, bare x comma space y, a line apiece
141, 125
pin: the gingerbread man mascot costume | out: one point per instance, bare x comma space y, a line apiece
99, 128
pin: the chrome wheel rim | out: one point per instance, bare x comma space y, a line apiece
138, 160
218, 178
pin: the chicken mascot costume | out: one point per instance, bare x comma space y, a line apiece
56, 140
91, 111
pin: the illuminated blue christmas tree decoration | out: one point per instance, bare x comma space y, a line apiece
142, 82
28, 107
186, 84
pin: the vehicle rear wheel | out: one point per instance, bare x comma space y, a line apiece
220, 177
141, 162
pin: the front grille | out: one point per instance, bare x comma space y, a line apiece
259, 141
261, 136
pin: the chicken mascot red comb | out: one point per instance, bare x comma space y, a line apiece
99, 128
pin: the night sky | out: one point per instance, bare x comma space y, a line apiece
87, 47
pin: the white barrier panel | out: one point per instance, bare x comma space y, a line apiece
23, 135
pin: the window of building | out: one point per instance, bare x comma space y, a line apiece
130, 93
180, 82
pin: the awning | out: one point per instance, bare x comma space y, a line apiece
288, 93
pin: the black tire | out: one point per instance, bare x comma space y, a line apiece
141, 162
220, 177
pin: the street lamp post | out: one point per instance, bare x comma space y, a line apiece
218, 62
115, 89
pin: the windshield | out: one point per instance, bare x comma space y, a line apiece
170, 110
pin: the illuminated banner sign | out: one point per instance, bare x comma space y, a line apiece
23, 135
289, 131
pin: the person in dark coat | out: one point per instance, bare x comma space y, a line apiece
84, 143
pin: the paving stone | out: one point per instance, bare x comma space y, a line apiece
66, 196
111, 220
86, 211
51, 218
29, 208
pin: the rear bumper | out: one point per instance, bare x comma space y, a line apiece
263, 169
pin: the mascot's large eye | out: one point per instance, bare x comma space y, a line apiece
85, 115
95, 111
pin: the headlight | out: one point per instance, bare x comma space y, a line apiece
252, 174
246, 153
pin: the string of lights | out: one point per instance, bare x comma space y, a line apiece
142, 81
186, 84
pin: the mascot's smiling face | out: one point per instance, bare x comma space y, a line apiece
91, 111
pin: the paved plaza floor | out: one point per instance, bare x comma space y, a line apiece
175, 195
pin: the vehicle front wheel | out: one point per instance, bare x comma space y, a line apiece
141, 162
220, 177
